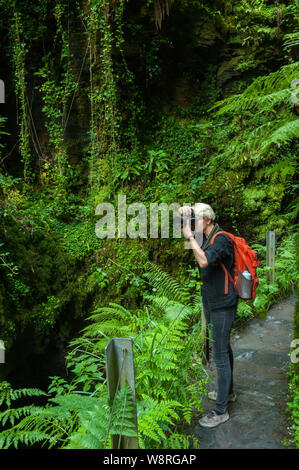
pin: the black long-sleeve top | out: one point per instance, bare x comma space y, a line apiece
213, 276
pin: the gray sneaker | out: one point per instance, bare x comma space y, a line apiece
211, 420
213, 396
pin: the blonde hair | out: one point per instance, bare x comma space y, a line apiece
204, 210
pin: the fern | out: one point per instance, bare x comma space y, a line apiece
108, 322
151, 415
291, 40
123, 414
97, 422
285, 132
13, 414
181, 441
163, 358
273, 88
8, 438
164, 284
7, 394
265, 95
74, 420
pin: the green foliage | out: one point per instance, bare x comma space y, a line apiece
263, 97
169, 385
94, 430
293, 404
46, 315
17, 288
69, 420
19, 51
7, 394
56, 94
2, 132
140, 100
109, 322
293, 374
164, 361
164, 284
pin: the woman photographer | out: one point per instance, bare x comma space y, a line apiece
219, 307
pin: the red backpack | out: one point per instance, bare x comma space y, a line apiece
244, 257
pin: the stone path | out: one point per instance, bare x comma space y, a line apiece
257, 419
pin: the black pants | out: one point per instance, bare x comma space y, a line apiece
221, 321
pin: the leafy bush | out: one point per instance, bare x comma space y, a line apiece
293, 374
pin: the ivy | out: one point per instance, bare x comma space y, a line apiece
19, 50
56, 95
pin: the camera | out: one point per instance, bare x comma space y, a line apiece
179, 222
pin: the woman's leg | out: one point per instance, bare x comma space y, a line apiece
231, 361
222, 320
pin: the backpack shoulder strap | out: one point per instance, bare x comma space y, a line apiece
226, 272
217, 233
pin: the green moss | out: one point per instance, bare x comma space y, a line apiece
254, 197
296, 331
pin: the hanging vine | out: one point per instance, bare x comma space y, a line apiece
104, 31
57, 88
19, 51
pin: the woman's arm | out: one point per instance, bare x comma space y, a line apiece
198, 253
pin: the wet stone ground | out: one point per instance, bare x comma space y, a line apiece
261, 360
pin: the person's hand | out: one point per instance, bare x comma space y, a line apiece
187, 229
185, 210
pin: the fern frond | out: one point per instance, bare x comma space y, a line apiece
75, 401
178, 441
24, 437
173, 312
109, 328
270, 89
8, 394
13, 414
94, 421
108, 322
196, 304
115, 311
286, 132
268, 101
164, 284
153, 415
83, 440
123, 413
291, 40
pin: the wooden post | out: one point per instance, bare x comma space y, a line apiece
270, 255
204, 338
2, 352
2, 92
120, 370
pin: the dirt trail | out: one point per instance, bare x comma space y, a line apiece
261, 353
